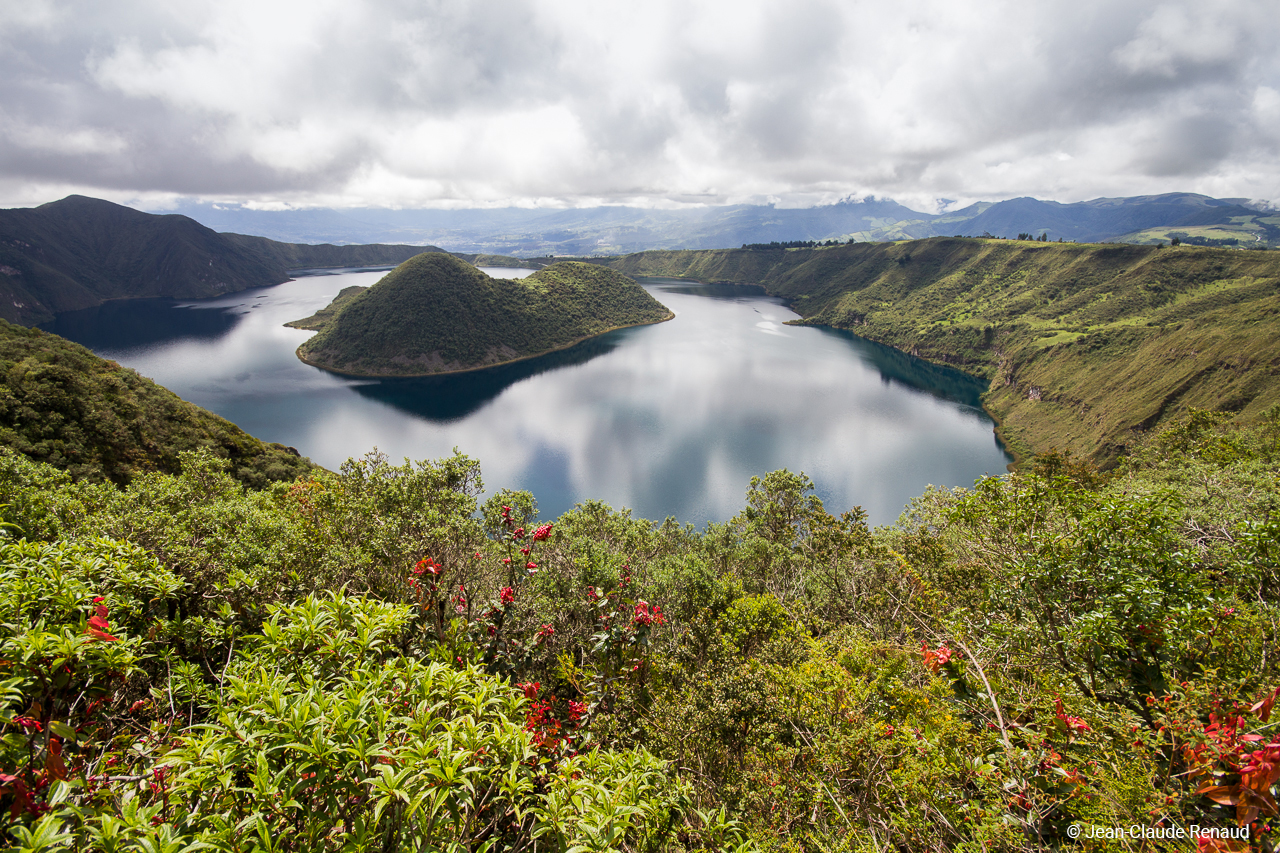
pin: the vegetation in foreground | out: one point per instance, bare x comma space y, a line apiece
438, 314
1086, 346
375, 660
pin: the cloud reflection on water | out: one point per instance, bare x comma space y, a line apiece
669, 419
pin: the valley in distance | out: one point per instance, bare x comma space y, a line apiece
436, 313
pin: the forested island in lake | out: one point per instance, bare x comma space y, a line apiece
436, 314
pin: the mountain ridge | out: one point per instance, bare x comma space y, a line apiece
61, 404
1085, 345
616, 230
79, 252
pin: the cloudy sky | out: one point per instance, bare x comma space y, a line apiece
418, 103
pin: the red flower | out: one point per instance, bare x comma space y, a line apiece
1073, 724
647, 616
542, 533
546, 632
98, 626
577, 710
508, 595
426, 565
935, 660
530, 689
518, 533
531, 567
28, 723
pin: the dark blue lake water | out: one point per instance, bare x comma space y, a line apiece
668, 420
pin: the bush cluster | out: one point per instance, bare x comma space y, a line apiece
378, 659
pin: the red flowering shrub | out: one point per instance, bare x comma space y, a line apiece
935, 659
66, 675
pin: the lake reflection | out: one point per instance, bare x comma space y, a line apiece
669, 420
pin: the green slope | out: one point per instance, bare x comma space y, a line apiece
79, 252
301, 256
1085, 344
61, 404
321, 318
438, 314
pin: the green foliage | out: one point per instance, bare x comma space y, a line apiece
437, 314
322, 735
61, 404
1083, 344
79, 252
1104, 584
370, 659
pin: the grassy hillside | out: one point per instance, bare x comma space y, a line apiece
61, 404
321, 318
301, 256
80, 252
438, 314
1083, 344
501, 260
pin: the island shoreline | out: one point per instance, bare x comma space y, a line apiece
298, 352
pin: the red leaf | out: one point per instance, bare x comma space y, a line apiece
1227, 795
1263, 708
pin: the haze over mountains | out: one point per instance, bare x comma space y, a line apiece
618, 230
79, 251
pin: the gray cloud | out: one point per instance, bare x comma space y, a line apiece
416, 103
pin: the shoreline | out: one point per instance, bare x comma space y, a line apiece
298, 352
1019, 458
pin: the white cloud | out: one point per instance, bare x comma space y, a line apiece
564, 102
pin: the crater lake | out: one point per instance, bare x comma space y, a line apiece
671, 419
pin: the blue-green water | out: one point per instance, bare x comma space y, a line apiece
668, 420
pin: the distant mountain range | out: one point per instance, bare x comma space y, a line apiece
80, 251
621, 230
